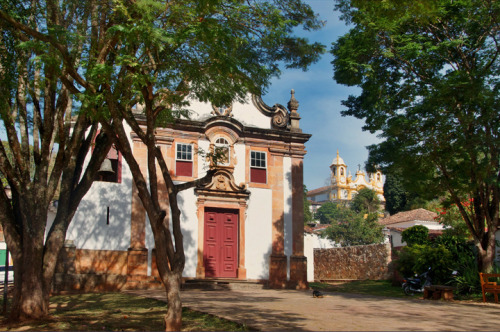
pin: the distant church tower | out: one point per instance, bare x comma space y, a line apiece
344, 188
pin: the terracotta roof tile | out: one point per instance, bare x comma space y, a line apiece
316, 229
417, 214
317, 191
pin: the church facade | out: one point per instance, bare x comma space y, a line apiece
343, 187
246, 224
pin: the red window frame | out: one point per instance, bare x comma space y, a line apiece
184, 159
258, 167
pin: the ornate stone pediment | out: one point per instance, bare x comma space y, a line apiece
278, 113
223, 181
222, 110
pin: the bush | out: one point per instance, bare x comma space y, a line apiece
417, 234
445, 254
418, 258
467, 279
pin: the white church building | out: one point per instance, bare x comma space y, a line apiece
246, 225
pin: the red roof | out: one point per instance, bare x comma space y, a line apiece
315, 229
413, 215
317, 191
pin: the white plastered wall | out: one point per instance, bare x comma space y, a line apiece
189, 225
247, 114
258, 234
90, 229
239, 168
311, 242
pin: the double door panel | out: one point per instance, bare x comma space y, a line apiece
220, 252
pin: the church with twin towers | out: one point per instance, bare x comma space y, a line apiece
343, 187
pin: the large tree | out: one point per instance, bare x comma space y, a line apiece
429, 73
333, 211
355, 230
42, 149
155, 55
365, 201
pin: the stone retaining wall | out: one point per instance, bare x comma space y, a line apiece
353, 263
103, 270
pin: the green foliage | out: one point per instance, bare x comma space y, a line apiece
368, 287
68, 65
308, 216
349, 227
444, 255
417, 234
398, 198
395, 194
418, 258
450, 216
467, 279
464, 256
355, 231
333, 211
365, 201
116, 312
429, 73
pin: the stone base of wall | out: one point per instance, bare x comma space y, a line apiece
298, 272
277, 271
83, 270
88, 283
371, 262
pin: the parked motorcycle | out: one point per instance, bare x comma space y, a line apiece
416, 285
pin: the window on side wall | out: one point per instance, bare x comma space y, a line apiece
184, 160
258, 167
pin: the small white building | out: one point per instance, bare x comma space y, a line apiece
400, 221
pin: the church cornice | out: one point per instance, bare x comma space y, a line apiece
244, 132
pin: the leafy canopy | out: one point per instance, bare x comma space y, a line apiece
417, 234
430, 74
366, 201
356, 230
347, 226
332, 211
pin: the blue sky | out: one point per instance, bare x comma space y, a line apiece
319, 98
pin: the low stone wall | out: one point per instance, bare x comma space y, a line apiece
353, 263
103, 270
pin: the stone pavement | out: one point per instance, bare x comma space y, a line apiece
269, 310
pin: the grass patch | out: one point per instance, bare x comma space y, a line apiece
116, 312
368, 287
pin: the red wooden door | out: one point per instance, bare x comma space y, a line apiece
220, 254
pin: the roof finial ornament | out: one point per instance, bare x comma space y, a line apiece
293, 104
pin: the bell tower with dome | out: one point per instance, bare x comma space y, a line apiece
338, 179
343, 187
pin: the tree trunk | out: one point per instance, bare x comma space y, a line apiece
486, 255
173, 318
31, 299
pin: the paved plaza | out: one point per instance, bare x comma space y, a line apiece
268, 310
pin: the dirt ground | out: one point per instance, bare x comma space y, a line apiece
269, 310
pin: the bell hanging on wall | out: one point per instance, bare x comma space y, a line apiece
106, 166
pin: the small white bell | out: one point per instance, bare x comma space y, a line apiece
106, 166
